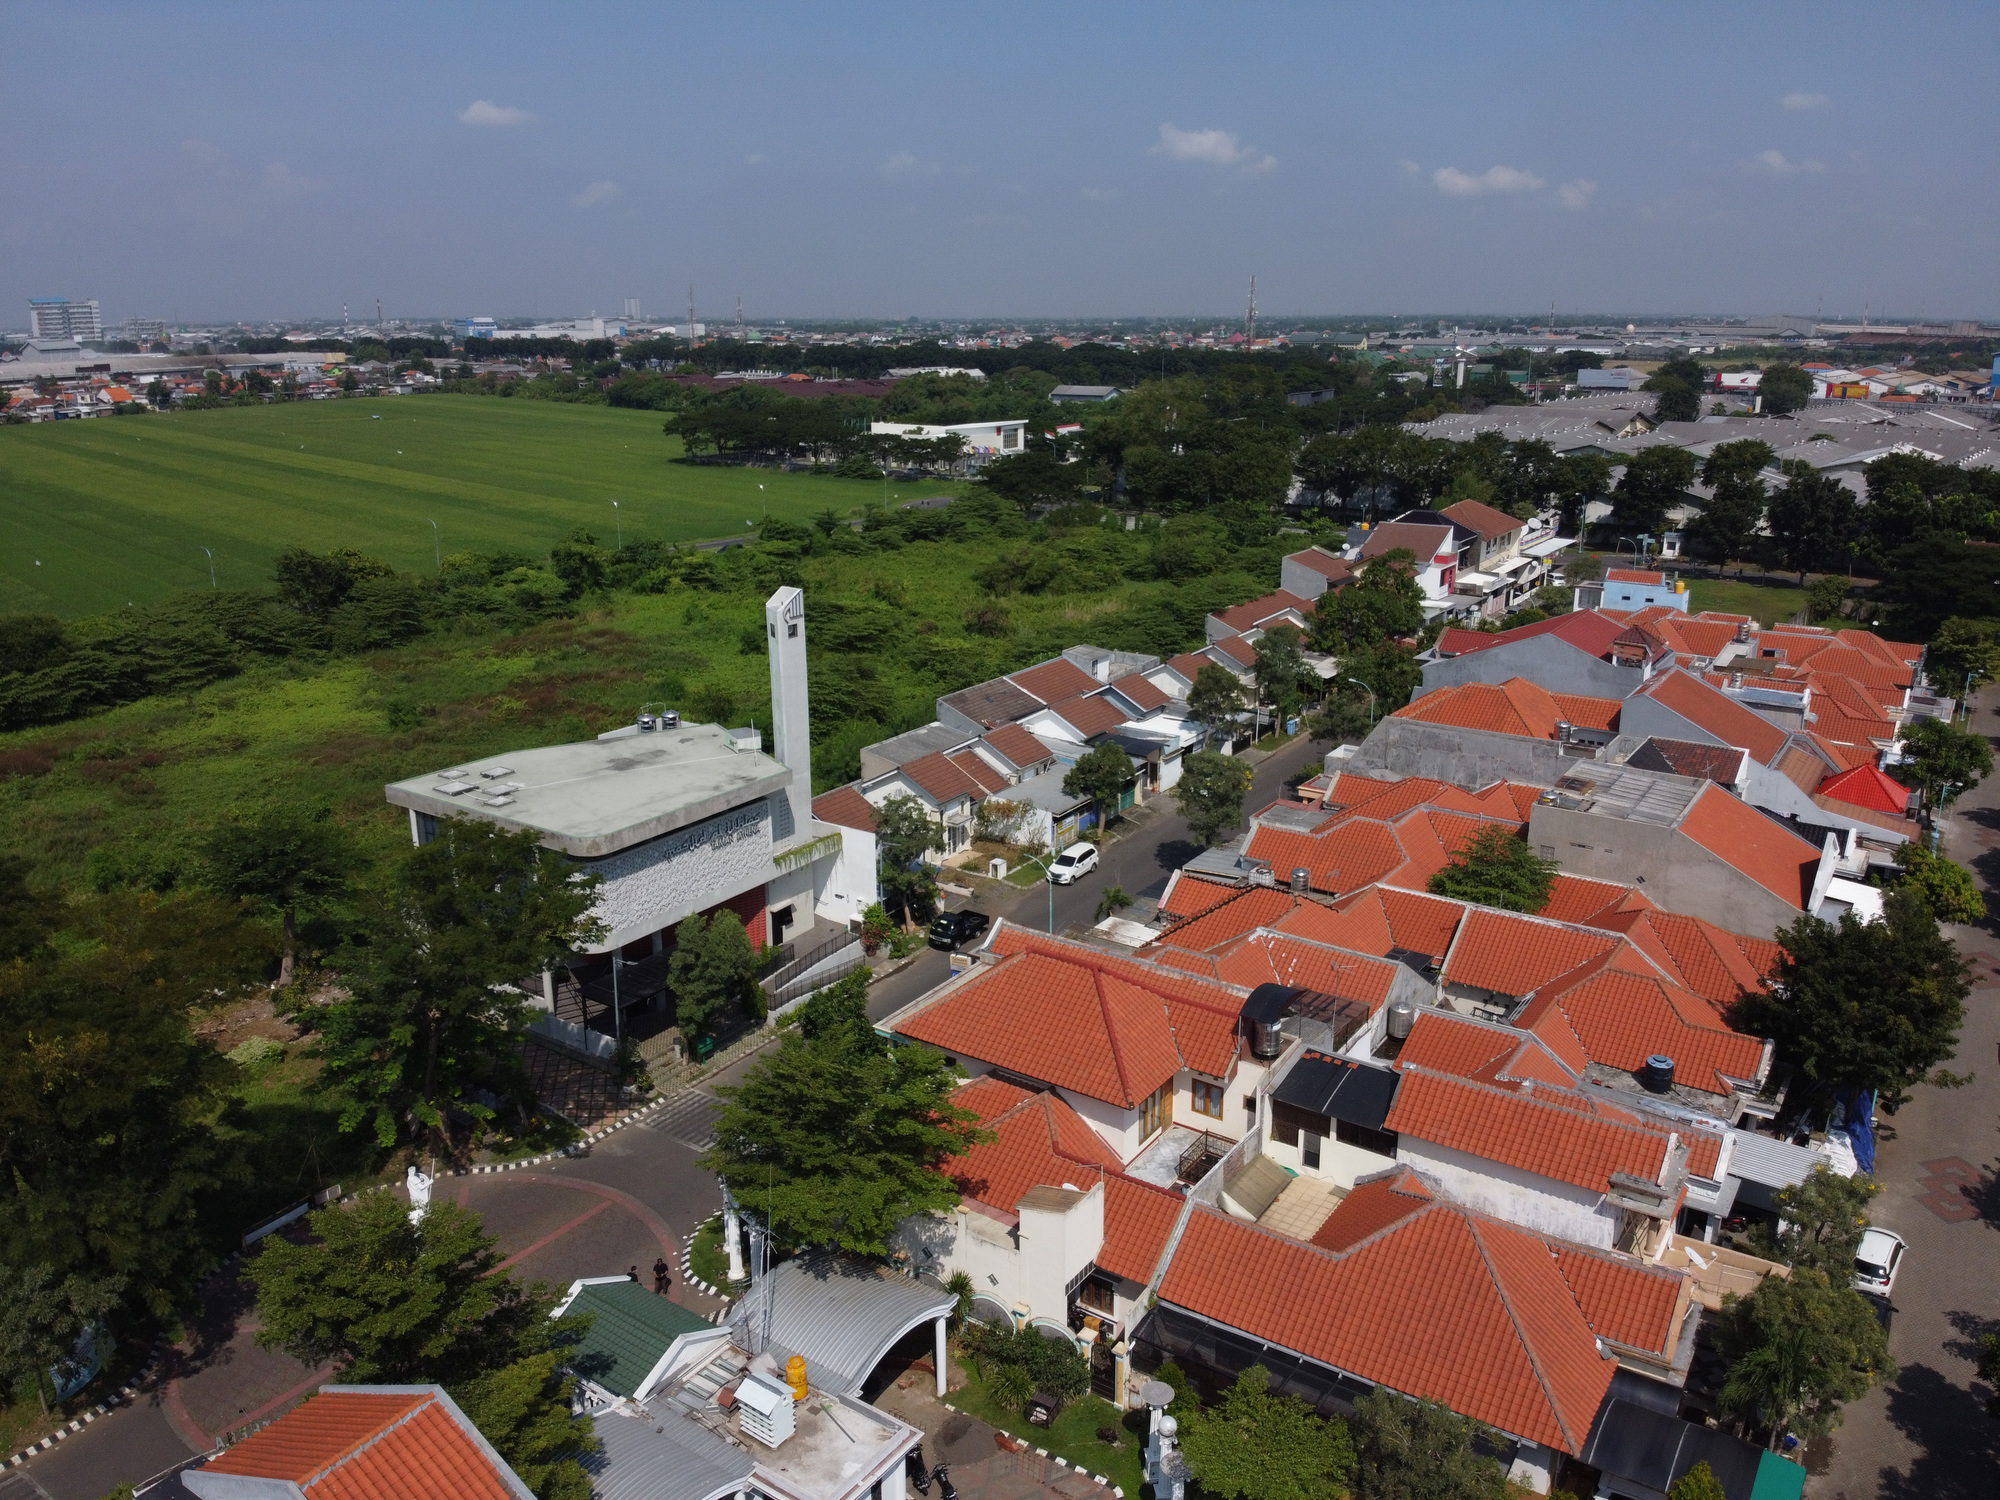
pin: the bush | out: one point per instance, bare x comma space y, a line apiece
1024, 1359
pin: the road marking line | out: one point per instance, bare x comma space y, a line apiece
549, 1238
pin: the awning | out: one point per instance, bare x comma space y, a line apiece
1550, 547
1486, 582
1340, 1090
1653, 1449
1515, 564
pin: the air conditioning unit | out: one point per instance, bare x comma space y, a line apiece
764, 1410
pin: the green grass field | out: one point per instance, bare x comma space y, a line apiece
96, 515
1769, 603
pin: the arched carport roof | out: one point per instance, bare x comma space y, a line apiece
842, 1315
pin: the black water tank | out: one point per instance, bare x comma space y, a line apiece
1658, 1074
1263, 1018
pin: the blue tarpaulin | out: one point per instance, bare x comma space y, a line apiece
1860, 1109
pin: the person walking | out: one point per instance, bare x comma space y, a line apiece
663, 1281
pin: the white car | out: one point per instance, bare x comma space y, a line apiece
1073, 863
1877, 1260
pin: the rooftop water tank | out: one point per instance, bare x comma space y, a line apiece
1658, 1075
1402, 1016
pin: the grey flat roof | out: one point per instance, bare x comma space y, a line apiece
915, 744
681, 1460
600, 796
992, 703
1775, 1163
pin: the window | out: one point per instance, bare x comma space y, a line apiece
1381, 1142
1309, 1149
1250, 1108
1154, 1111
1207, 1099
1011, 438
1097, 1296
1288, 1120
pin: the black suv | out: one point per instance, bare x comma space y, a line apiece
950, 928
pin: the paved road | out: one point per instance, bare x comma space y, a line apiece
1927, 1436
637, 1195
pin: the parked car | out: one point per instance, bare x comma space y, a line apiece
1877, 1260
1073, 863
950, 928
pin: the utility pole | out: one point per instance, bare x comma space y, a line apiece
690, 314
378, 313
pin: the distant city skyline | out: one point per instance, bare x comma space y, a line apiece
888, 161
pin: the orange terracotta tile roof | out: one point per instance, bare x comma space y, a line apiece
940, 777
1278, 958
1070, 1015
1511, 954
1055, 679
1017, 747
1547, 1132
1847, 812
1620, 1018
1371, 1207
1249, 616
1715, 712
1629, 575
1138, 1218
1241, 910
1589, 631
1442, 1303
1802, 768
1189, 896
1778, 860
1574, 898
1038, 1141
1426, 542
1516, 706
1323, 563
1089, 715
1242, 652
1189, 664
845, 806
1696, 636
1442, 1042
1641, 1308
1715, 963
402, 1443
1140, 691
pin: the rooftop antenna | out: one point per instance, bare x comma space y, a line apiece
1250, 322
739, 320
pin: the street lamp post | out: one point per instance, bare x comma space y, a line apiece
437, 547
617, 1010
1371, 697
1052, 890
211, 568
617, 519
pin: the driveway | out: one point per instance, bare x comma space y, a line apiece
1927, 1436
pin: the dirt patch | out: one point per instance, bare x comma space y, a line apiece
27, 760
231, 1026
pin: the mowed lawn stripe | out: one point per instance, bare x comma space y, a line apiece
118, 510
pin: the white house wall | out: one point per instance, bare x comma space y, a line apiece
1117, 1126
1538, 1203
844, 888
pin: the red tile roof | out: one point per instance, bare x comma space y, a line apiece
1717, 713
978, 772
1516, 706
1323, 563
1089, 715
1140, 691
396, 1444
1739, 835
1243, 652
1189, 664
940, 777
1017, 747
1444, 1042
1484, 519
1189, 896
1573, 898
1620, 1018
1585, 629
1241, 910
1038, 1141
1623, 1305
1628, 575
1511, 954
1550, 1133
1866, 786
1138, 1218
1426, 542
845, 806
1058, 678
1072, 1016
1442, 1303
1242, 617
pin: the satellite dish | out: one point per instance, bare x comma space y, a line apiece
1156, 1393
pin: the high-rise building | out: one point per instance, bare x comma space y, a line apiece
59, 318
631, 309
145, 330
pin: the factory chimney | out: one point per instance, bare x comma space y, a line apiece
791, 714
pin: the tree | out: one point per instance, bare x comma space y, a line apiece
1943, 885
1964, 654
1101, 773
1418, 1450
1383, 602
1679, 383
430, 1018
1825, 597
1257, 1446
713, 970
1216, 699
905, 832
1989, 1370
42, 1315
1867, 1007
393, 1302
1929, 581
285, 858
837, 1137
1210, 793
1784, 389
1823, 1220
1112, 901
1698, 1483
1498, 869
1280, 671
109, 1105
1797, 1348
1812, 519
1942, 760
1579, 478
1655, 481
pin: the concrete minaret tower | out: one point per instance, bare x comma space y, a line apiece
791, 714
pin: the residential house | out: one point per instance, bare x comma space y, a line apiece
1477, 733
1583, 652
637, 1341
1314, 572
1280, 608
1634, 589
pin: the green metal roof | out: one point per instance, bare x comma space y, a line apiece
631, 1328
1778, 1478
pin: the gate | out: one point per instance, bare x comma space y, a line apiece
1103, 1369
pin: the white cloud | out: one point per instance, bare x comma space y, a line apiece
596, 193
1778, 164
486, 112
1805, 101
1495, 179
905, 164
280, 181
1217, 148
1576, 194
1409, 167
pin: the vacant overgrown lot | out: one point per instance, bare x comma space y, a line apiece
100, 514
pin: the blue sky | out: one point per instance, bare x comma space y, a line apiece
994, 161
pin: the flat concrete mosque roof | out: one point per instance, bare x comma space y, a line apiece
600, 796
